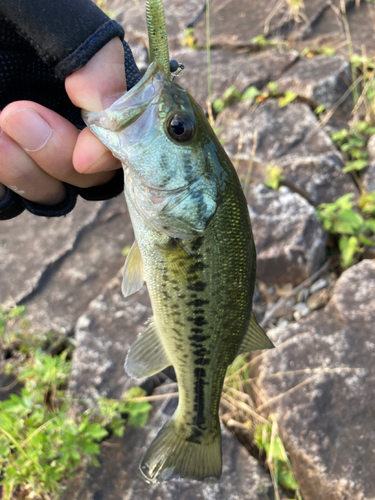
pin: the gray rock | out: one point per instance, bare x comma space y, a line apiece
103, 337
234, 26
329, 29
327, 423
318, 178
319, 299
118, 478
31, 246
300, 311
322, 80
368, 179
80, 275
289, 131
288, 237
229, 69
291, 138
303, 295
8, 384
133, 17
318, 285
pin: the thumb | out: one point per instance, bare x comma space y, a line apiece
101, 81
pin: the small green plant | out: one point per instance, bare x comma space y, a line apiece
189, 39
352, 142
267, 437
253, 94
273, 91
325, 50
126, 250
287, 98
40, 443
274, 177
260, 41
227, 98
319, 109
296, 8
355, 227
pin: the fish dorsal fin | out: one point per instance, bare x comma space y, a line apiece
133, 275
147, 355
255, 339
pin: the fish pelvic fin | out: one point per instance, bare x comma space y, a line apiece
255, 339
174, 456
147, 355
133, 274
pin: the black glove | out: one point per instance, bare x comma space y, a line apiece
41, 43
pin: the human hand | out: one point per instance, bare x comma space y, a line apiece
39, 149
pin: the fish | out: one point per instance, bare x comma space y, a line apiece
195, 250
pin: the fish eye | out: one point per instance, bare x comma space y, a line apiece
180, 128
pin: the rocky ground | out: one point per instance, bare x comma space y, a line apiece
319, 381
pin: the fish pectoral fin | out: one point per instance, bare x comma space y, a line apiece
255, 339
147, 355
133, 274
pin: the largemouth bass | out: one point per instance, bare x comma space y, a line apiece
195, 250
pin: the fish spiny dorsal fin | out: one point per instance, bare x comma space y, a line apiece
133, 275
255, 339
147, 355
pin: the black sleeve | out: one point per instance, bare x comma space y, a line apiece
41, 43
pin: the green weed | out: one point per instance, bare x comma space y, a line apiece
274, 177
189, 40
354, 224
41, 444
126, 250
268, 438
352, 142
253, 94
324, 50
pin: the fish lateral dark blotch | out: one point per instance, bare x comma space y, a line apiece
202, 361
198, 302
198, 339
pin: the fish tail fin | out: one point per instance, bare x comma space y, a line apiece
172, 456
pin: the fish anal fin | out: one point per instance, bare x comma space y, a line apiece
172, 456
147, 355
133, 274
255, 339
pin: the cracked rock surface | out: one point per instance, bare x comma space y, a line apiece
327, 423
291, 138
288, 236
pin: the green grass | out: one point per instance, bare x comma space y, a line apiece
354, 223
41, 443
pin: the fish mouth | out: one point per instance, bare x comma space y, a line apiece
128, 108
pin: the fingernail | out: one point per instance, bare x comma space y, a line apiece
29, 129
105, 163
